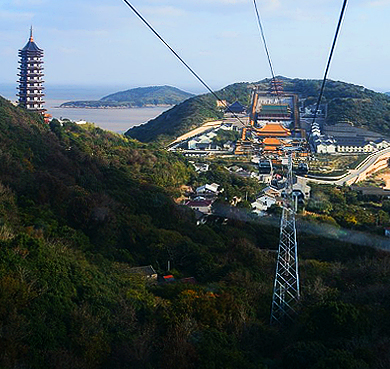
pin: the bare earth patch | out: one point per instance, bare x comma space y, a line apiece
385, 176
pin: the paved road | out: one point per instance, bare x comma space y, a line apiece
197, 131
353, 174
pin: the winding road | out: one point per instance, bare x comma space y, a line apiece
373, 163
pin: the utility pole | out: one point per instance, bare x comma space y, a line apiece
286, 285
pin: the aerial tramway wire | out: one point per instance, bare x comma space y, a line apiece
330, 58
139, 15
262, 33
265, 43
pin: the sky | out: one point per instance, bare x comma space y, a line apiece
103, 43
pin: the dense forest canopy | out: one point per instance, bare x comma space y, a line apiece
363, 107
80, 206
136, 97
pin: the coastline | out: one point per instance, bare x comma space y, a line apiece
114, 107
112, 119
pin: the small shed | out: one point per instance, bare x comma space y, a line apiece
146, 271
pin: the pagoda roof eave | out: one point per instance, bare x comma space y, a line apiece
31, 46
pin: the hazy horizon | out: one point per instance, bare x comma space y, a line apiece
96, 92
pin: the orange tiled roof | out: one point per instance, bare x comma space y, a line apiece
274, 129
271, 141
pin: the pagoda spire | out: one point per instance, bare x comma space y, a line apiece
31, 34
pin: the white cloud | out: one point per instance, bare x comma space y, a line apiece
272, 5
27, 2
232, 2
79, 34
109, 10
228, 34
379, 3
164, 11
68, 50
7, 51
11, 16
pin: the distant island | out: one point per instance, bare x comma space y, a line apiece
135, 98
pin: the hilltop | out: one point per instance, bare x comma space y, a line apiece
79, 207
136, 97
363, 107
189, 114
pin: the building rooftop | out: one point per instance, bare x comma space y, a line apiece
144, 270
236, 107
274, 129
275, 109
199, 203
351, 141
31, 45
271, 141
347, 130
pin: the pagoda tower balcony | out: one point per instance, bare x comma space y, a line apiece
30, 61
31, 75
31, 102
31, 88
30, 69
30, 95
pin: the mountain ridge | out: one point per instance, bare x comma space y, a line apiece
346, 101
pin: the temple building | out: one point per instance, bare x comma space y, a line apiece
30, 77
236, 108
271, 144
274, 130
274, 112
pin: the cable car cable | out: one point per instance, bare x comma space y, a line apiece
330, 59
264, 42
262, 33
180, 58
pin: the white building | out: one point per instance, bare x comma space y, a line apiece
262, 204
325, 145
355, 145
208, 189
200, 167
202, 205
202, 142
301, 188
381, 144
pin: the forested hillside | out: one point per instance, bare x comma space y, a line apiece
136, 97
363, 107
79, 207
189, 115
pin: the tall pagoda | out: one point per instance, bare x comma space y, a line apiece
30, 77
276, 87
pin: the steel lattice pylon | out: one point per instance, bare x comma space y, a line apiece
286, 285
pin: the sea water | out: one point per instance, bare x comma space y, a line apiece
116, 120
